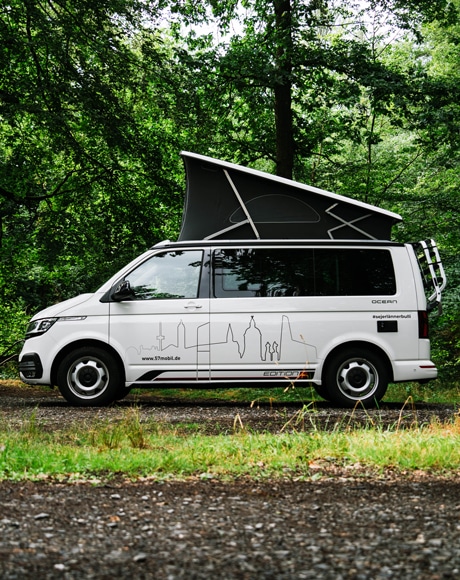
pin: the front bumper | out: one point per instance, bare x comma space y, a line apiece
30, 367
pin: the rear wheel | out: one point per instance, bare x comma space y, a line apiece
90, 377
356, 375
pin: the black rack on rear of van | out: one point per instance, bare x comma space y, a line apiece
432, 270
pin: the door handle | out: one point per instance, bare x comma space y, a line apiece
192, 305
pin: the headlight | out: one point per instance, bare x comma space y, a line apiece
38, 327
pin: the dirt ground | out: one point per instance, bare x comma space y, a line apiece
346, 524
18, 401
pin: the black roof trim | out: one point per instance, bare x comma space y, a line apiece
197, 244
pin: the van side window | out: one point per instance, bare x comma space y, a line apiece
303, 272
168, 275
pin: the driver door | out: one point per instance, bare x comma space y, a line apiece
161, 325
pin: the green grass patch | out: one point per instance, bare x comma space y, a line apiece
244, 395
138, 449
433, 392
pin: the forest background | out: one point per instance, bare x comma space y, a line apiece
98, 98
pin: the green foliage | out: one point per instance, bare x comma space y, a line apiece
14, 319
13, 323
446, 348
98, 98
87, 179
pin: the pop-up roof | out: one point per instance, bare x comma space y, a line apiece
227, 201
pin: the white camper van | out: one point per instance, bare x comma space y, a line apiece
242, 298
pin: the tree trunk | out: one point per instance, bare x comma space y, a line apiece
283, 89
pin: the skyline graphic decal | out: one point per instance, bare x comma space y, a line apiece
228, 343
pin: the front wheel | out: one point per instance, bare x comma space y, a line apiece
353, 376
90, 377
321, 390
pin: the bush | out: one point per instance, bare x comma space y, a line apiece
445, 347
13, 324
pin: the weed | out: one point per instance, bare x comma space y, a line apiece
359, 405
105, 435
238, 426
134, 429
30, 427
408, 402
298, 419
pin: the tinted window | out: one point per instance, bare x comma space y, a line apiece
168, 275
303, 272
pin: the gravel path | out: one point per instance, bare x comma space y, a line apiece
344, 526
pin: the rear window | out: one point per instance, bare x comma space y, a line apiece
303, 272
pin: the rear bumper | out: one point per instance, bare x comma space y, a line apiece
418, 370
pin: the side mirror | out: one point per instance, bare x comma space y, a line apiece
122, 291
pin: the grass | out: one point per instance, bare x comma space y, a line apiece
135, 449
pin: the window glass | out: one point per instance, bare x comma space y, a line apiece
168, 275
303, 272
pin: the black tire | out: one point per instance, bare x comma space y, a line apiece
124, 392
90, 377
321, 390
355, 377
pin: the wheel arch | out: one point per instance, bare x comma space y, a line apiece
84, 343
360, 345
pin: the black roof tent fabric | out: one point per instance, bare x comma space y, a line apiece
227, 201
